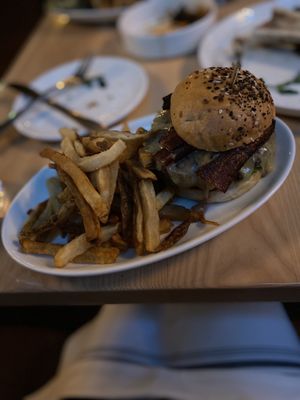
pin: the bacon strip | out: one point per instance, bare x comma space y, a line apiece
223, 170
173, 148
170, 140
167, 102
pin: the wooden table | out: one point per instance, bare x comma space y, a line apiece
259, 259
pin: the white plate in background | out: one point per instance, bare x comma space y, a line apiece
275, 66
137, 21
227, 214
126, 85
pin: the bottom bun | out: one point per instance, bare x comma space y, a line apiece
236, 189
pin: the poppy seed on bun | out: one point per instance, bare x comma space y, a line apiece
218, 109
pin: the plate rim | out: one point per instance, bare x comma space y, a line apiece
204, 62
156, 257
138, 98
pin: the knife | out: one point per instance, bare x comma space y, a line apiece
34, 95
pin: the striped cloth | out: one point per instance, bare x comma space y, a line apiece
180, 351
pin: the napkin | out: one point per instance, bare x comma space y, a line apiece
180, 351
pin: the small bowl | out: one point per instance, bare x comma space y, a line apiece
137, 22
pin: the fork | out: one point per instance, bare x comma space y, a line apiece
76, 78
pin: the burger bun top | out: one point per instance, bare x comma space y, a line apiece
221, 108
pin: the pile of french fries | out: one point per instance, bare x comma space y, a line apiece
104, 200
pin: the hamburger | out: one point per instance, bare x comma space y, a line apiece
213, 139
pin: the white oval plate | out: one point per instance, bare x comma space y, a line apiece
273, 65
127, 84
227, 214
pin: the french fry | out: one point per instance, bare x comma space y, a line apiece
163, 197
80, 150
45, 216
140, 171
52, 207
74, 248
100, 160
26, 231
78, 246
96, 145
197, 214
90, 220
94, 255
64, 196
175, 212
132, 141
65, 212
98, 255
117, 241
43, 248
180, 213
138, 222
145, 158
101, 181
165, 225
107, 232
106, 180
67, 147
125, 207
48, 228
113, 136
174, 237
150, 213
54, 187
81, 181
68, 132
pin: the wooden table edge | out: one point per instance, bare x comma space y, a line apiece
282, 293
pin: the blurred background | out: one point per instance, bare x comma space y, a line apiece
17, 20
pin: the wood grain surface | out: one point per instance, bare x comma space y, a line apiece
257, 259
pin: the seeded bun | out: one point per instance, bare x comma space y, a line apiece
217, 109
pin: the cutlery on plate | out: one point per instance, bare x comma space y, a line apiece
73, 80
78, 78
33, 94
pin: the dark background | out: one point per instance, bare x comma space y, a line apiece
17, 19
